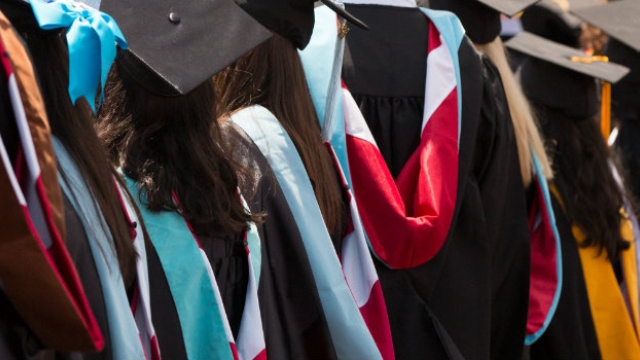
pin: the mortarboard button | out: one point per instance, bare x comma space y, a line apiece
174, 18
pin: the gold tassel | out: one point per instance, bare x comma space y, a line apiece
605, 100
605, 110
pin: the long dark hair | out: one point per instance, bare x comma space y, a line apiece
272, 76
171, 146
591, 196
73, 126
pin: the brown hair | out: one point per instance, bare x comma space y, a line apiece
171, 145
591, 196
272, 76
73, 126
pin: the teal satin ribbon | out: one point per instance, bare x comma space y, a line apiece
91, 39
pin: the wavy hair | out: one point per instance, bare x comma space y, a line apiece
592, 198
170, 145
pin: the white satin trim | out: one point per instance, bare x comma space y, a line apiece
398, 3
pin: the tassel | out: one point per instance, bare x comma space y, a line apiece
605, 100
605, 110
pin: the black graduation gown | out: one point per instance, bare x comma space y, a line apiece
228, 260
626, 109
164, 313
293, 320
571, 333
478, 284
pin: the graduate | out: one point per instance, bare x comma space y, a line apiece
158, 122
402, 205
265, 95
617, 20
42, 301
525, 270
597, 314
100, 222
292, 313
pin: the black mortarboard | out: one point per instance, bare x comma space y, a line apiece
562, 77
185, 42
509, 7
481, 18
566, 57
548, 20
619, 19
624, 55
293, 19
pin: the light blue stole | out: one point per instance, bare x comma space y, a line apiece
350, 335
123, 331
184, 266
544, 187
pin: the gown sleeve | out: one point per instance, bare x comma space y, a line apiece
505, 208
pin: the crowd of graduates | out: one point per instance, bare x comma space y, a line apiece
290, 179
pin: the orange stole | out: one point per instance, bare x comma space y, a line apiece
617, 333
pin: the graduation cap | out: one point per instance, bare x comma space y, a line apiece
566, 57
293, 19
619, 19
183, 43
509, 7
549, 20
481, 18
562, 77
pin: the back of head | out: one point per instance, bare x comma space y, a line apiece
170, 145
581, 163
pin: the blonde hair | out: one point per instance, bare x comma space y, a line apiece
528, 136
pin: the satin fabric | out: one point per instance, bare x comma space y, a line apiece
477, 285
349, 332
124, 334
201, 317
616, 323
292, 314
47, 293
